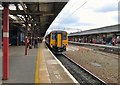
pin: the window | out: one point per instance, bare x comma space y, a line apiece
64, 36
53, 36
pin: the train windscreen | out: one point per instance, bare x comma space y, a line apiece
53, 36
64, 36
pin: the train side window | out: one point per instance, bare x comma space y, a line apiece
53, 36
64, 36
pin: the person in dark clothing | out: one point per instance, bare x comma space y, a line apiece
30, 46
36, 43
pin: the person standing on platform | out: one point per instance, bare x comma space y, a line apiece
36, 43
27, 42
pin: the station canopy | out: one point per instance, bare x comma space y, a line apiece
38, 15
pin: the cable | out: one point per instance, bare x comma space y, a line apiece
74, 11
61, 22
80, 7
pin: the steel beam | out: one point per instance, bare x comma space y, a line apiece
30, 22
40, 13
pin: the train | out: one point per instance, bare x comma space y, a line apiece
57, 41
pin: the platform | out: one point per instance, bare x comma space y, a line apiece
39, 66
50, 70
107, 48
22, 67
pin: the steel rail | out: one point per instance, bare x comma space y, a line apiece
85, 70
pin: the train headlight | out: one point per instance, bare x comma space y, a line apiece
64, 44
51, 45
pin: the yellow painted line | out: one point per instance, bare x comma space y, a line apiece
37, 67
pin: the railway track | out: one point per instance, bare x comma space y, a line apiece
82, 75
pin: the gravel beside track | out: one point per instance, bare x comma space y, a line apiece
81, 75
102, 64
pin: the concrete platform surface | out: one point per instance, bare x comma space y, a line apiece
22, 67
39, 66
50, 70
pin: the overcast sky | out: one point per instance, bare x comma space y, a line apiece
86, 14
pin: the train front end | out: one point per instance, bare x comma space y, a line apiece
59, 41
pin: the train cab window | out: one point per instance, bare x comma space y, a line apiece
64, 36
53, 36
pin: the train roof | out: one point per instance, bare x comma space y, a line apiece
58, 31
107, 29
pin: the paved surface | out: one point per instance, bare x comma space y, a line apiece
39, 66
22, 67
50, 70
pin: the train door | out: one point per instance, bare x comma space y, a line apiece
64, 39
59, 41
53, 39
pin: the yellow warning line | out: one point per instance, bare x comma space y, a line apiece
37, 67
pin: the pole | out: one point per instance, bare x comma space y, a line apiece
26, 38
6, 41
114, 39
31, 40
